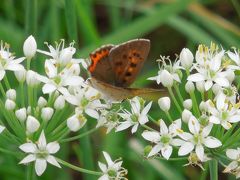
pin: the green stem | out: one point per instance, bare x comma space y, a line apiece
174, 100
195, 104
153, 120
87, 155
78, 136
169, 116
147, 127
78, 168
22, 94
178, 93
2, 90
213, 167
6, 82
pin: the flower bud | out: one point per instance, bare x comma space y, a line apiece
164, 103
30, 47
11, 94
76, 122
10, 104
59, 103
21, 114
187, 104
166, 78
47, 113
31, 78
186, 115
216, 88
189, 87
230, 76
29, 109
186, 58
20, 75
203, 106
42, 102
200, 86
32, 124
75, 68
66, 55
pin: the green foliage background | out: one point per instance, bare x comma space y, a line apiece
169, 24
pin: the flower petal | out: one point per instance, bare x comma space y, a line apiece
196, 77
151, 136
29, 158
166, 151
40, 166
48, 88
53, 147
200, 152
155, 150
232, 154
212, 142
28, 147
185, 149
53, 161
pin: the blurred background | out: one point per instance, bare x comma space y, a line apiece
169, 24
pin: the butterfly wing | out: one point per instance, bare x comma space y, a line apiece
118, 94
101, 67
127, 60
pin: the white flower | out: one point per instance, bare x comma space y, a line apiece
209, 69
59, 103
111, 170
30, 47
186, 58
167, 74
234, 56
20, 75
21, 114
233, 167
108, 119
164, 139
10, 104
42, 102
137, 116
200, 86
76, 122
7, 61
187, 104
164, 103
41, 153
86, 100
62, 56
57, 81
46, 113
11, 94
186, 115
32, 124
197, 139
223, 114
189, 87
31, 78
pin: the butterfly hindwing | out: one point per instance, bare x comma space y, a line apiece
101, 67
127, 60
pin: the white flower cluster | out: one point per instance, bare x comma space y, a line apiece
48, 106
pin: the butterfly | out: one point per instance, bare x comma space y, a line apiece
115, 67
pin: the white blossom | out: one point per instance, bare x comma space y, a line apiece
111, 170
186, 58
41, 153
164, 103
138, 115
30, 47
21, 114
164, 140
198, 139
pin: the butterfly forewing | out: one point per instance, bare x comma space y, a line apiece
100, 67
127, 60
